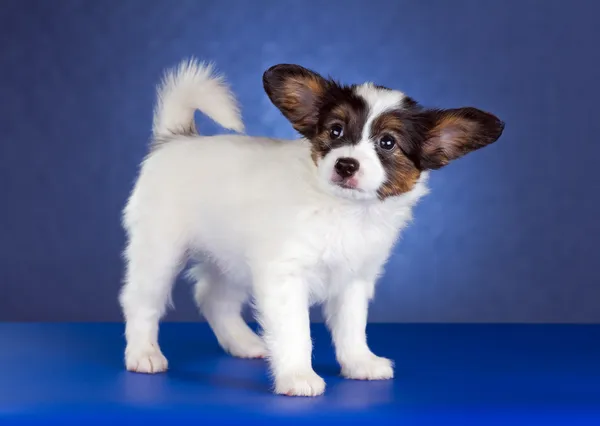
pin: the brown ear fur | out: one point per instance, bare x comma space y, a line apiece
453, 133
296, 91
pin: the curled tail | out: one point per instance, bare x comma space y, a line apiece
193, 86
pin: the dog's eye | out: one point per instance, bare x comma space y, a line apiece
387, 142
336, 131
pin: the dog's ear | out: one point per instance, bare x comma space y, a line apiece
297, 92
453, 133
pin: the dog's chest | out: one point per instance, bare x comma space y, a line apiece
352, 241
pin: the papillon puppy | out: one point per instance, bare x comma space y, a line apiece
283, 224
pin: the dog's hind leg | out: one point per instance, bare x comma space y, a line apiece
154, 259
221, 302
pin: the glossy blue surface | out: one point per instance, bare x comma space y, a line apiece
446, 375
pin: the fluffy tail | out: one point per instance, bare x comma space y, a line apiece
193, 86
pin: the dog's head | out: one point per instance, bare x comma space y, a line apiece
369, 141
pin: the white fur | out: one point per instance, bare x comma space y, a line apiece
191, 86
379, 100
371, 174
262, 221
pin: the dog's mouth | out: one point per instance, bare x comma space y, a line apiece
350, 183
347, 186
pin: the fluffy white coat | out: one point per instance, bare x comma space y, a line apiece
255, 215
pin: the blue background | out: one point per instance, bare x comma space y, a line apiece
509, 233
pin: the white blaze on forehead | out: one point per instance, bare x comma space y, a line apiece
371, 173
379, 101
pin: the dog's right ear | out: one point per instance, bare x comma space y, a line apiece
297, 92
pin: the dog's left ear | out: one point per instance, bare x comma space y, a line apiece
453, 133
297, 92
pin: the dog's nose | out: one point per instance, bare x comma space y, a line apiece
346, 167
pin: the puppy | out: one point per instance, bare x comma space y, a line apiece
285, 223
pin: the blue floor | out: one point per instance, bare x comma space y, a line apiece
445, 375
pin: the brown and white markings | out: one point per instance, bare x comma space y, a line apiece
372, 139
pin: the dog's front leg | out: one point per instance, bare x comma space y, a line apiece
282, 302
346, 317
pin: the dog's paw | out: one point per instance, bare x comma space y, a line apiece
300, 384
371, 367
148, 360
248, 345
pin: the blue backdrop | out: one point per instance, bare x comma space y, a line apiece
509, 233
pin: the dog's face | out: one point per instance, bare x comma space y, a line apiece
371, 142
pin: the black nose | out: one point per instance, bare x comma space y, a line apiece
346, 167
